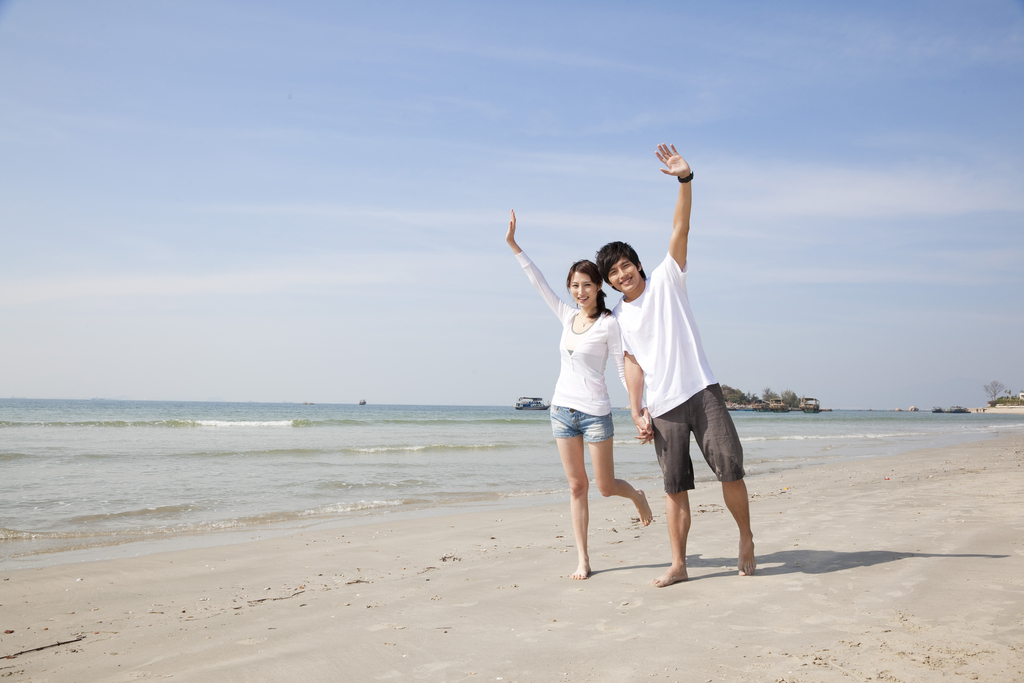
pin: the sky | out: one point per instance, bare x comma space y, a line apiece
307, 201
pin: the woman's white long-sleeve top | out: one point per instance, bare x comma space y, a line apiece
581, 382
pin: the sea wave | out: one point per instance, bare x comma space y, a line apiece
833, 437
341, 508
412, 448
167, 424
161, 511
128, 534
11, 457
303, 423
376, 420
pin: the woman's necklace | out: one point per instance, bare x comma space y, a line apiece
585, 322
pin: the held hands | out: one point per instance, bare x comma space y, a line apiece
645, 430
510, 236
677, 165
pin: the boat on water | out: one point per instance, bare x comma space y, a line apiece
937, 409
810, 405
760, 406
958, 409
362, 401
531, 403
778, 406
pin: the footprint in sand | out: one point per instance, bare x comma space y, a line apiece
379, 627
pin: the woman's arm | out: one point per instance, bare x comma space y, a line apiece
615, 349
563, 310
510, 236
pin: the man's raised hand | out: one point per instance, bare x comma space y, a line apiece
676, 165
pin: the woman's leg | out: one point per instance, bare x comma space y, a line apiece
571, 451
608, 485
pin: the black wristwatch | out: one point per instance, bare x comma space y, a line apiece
686, 179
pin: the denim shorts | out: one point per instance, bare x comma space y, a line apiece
567, 423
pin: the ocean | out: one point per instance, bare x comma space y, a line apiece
97, 479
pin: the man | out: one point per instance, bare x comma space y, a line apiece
663, 350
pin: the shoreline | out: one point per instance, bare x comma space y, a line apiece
1005, 410
897, 568
127, 544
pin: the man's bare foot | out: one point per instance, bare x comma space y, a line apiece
746, 563
673, 575
582, 571
644, 509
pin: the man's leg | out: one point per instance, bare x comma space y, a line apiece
677, 517
735, 494
672, 443
720, 444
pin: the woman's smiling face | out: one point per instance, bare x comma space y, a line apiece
584, 290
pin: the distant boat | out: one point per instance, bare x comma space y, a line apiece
530, 403
810, 405
362, 401
778, 406
759, 406
958, 409
937, 409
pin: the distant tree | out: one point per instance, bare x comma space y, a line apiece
767, 394
790, 398
993, 389
733, 395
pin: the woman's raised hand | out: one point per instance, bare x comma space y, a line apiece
510, 236
677, 165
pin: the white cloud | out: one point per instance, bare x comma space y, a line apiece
786, 189
333, 273
37, 290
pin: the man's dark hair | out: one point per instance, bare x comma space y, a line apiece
612, 253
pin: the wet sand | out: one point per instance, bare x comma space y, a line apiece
918, 577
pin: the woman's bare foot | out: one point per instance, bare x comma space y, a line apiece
582, 571
746, 563
644, 508
673, 575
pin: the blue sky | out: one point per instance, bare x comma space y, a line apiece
307, 201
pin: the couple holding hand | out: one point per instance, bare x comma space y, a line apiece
653, 340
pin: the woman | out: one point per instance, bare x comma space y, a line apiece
580, 409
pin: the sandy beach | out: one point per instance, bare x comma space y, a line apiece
904, 568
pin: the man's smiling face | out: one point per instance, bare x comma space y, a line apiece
625, 277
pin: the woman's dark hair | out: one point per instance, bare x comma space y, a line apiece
612, 253
588, 268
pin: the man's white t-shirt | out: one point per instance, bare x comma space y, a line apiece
659, 331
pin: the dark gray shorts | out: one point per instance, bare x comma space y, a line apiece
706, 416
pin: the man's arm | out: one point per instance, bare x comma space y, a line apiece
677, 166
635, 387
